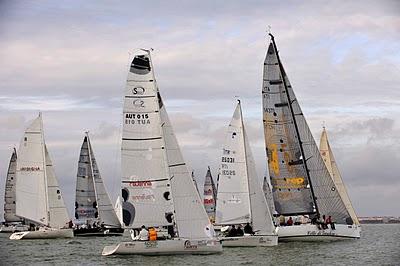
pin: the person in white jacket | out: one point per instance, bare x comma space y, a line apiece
143, 234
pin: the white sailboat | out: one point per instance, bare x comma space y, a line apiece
157, 188
12, 223
240, 198
38, 196
330, 162
210, 194
301, 183
93, 208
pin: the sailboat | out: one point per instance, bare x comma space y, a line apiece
93, 208
210, 194
240, 198
330, 162
12, 223
157, 187
38, 196
301, 184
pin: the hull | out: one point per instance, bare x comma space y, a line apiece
13, 228
164, 247
309, 232
250, 241
43, 234
99, 232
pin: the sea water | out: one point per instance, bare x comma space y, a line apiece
379, 245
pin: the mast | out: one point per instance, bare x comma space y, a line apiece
245, 158
295, 123
44, 170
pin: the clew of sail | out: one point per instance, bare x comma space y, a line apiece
233, 202
9, 194
330, 162
301, 184
85, 198
58, 214
106, 211
146, 189
31, 187
190, 216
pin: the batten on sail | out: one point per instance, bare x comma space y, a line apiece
330, 162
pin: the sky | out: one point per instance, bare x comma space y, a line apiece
69, 59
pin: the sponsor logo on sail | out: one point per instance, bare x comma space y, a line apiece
30, 169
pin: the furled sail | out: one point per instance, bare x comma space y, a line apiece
210, 194
233, 201
31, 187
146, 189
190, 216
85, 197
301, 184
58, 214
330, 162
9, 195
107, 215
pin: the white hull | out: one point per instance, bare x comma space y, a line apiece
309, 232
250, 241
13, 228
164, 247
43, 234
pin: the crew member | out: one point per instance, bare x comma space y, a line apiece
152, 234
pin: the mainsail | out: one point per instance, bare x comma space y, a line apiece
301, 184
9, 195
210, 194
233, 201
85, 197
92, 200
330, 162
157, 187
38, 196
240, 198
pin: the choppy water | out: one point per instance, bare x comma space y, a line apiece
379, 245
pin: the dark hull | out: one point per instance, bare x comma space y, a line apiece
98, 232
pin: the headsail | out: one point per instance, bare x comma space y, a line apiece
58, 214
190, 216
210, 194
107, 215
146, 189
233, 201
85, 198
268, 195
330, 162
31, 184
9, 195
301, 184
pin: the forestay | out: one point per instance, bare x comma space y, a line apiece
301, 184
107, 215
146, 190
31, 187
9, 195
233, 202
85, 198
58, 214
330, 162
190, 216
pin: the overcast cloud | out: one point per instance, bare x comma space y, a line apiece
69, 59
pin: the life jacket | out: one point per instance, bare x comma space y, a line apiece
152, 234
